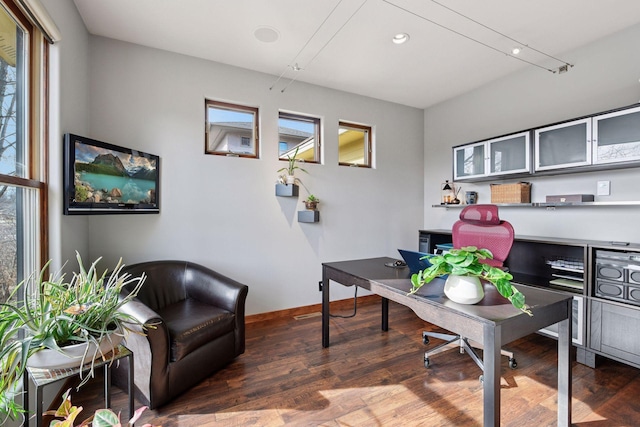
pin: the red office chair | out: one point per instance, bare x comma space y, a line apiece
479, 226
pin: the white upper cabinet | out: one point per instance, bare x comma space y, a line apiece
616, 136
509, 154
563, 145
469, 161
498, 156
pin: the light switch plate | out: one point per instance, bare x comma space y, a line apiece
604, 188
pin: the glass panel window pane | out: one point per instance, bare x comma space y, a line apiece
19, 233
231, 129
13, 143
301, 133
354, 145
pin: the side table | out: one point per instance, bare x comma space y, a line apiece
43, 377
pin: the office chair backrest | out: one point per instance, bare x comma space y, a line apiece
480, 226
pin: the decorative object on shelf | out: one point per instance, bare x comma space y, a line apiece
101, 418
54, 313
511, 193
568, 198
471, 197
288, 177
448, 193
466, 262
311, 203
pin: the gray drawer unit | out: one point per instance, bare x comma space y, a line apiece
617, 276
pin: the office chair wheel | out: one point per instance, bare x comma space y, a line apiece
512, 363
425, 340
426, 362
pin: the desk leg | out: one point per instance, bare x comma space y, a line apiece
325, 309
491, 375
564, 370
385, 314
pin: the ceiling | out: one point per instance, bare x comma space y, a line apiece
454, 46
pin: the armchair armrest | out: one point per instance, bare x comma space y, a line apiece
216, 289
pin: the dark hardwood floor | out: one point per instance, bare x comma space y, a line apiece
372, 378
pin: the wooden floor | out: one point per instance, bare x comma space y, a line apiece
371, 378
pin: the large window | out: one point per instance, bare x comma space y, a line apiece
354, 144
22, 187
301, 133
231, 129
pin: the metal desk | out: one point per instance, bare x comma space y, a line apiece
43, 377
492, 322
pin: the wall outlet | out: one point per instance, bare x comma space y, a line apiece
604, 188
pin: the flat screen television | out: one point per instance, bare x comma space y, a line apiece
102, 178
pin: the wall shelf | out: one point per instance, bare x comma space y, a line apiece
308, 216
284, 190
549, 205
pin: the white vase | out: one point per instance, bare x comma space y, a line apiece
464, 289
74, 355
291, 179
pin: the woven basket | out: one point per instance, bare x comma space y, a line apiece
511, 193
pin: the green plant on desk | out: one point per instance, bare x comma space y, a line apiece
466, 261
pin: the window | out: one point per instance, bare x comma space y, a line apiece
231, 130
23, 73
354, 144
299, 132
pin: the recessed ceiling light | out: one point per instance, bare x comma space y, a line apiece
516, 50
401, 38
266, 34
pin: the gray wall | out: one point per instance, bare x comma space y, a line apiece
222, 211
605, 76
69, 112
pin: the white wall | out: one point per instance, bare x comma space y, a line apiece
605, 76
69, 112
222, 211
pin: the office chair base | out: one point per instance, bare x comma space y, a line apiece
463, 344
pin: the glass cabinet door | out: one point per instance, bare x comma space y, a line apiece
469, 161
616, 136
564, 145
509, 154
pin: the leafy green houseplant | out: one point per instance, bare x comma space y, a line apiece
291, 168
54, 313
466, 262
311, 202
66, 415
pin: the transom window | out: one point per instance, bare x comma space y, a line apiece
354, 144
231, 129
299, 132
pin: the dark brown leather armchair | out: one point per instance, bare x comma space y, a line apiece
198, 318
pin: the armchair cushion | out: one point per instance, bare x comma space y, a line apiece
192, 324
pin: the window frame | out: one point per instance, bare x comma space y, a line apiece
32, 245
255, 111
317, 145
368, 148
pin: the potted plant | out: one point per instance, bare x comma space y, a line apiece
56, 315
101, 418
289, 177
464, 271
311, 202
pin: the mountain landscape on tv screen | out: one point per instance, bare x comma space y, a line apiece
105, 179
